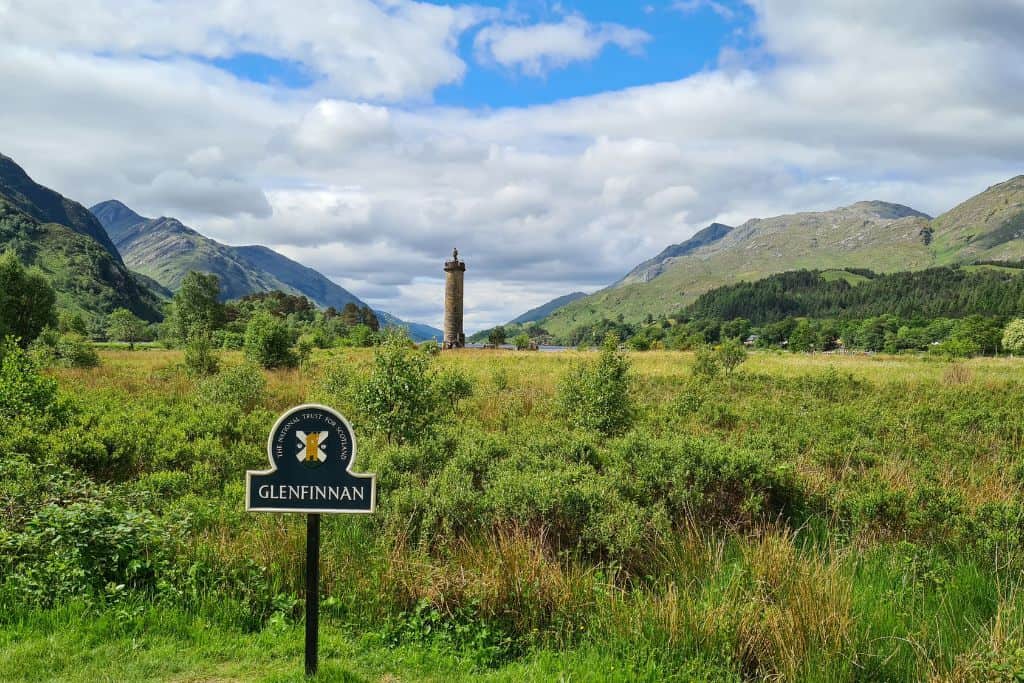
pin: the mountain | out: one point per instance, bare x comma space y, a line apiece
988, 226
881, 236
166, 250
547, 309
417, 331
56, 234
652, 268
47, 206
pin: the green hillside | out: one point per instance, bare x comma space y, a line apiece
547, 309
879, 236
86, 277
166, 250
988, 226
47, 206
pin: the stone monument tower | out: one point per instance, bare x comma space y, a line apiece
454, 338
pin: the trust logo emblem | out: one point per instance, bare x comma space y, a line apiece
312, 447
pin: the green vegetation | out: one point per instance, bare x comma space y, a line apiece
802, 518
951, 311
88, 281
786, 520
497, 336
933, 293
26, 300
268, 342
123, 326
164, 251
596, 396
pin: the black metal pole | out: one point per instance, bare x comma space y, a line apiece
312, 591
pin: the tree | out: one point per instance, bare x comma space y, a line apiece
73, 323
369, 318
197, 306
351, 315
521, 341
124, 326
497, 336
804, 338
268, 342
731, 354
26, 300
1013, 336
738, 328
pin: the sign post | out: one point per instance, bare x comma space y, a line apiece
311, 449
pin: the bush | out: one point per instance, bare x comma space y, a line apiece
74, 351
304, 350
1013, 336
268, 342
398, 398
69, 350
598, 395
731, 354
85, 549
243, 387
453, 386
200, 358
521, 341
706, 363
23, 391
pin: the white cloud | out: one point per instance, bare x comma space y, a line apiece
917, 103
536, 49
380, 49
720, 8
334, 127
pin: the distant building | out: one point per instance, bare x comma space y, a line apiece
454, 270
751, 340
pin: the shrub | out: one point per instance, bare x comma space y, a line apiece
86, 549
74, 351
304, 349
231, 341
23, 391
706, 363
243, 387
69, 350
268, 342
597, 395
453, 386
398, 398
200, 358
731, 354
1013, 336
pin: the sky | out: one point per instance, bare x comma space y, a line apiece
556, 144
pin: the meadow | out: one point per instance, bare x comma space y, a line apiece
802, 518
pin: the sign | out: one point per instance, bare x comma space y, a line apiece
311, 451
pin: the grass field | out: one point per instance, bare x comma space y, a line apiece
806, 518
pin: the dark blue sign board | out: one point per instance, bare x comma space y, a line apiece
311, 450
